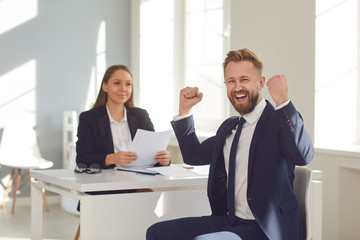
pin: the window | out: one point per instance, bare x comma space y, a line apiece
337, 84
181, 43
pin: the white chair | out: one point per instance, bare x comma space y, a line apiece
70, 125
19, 151
305, 182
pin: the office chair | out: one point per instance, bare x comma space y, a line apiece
19, 151
302, 190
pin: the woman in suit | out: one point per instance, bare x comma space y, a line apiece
106, 131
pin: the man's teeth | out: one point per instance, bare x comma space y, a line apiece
240, 95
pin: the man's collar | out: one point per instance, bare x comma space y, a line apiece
255, 114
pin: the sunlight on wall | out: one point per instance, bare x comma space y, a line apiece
25, 11
97, 72
101, 53
17, 94
92, 90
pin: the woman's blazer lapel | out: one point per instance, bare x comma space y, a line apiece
133, 123
103, 123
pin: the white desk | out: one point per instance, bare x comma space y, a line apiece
119, 216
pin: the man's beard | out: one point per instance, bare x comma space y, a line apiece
247, 107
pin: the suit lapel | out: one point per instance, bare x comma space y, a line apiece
227, 127
258, 129
103, 122
133, 124
217, 167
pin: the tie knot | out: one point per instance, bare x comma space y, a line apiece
241, 122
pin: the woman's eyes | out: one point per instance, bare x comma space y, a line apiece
128, 84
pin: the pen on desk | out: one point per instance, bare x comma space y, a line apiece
147, 173
134, 171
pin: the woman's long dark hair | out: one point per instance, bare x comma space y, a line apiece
102, 96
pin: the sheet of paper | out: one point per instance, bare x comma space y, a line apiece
146, 144
180, 171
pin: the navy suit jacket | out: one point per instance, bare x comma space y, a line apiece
94, 133
280, 142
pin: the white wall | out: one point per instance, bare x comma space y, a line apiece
282, 33
61, 41
341, 195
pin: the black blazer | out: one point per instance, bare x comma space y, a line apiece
94, 133
280, 142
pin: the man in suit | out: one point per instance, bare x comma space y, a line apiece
261, 203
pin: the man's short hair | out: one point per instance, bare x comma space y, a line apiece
243, 55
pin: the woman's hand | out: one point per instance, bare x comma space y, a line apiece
163, 158
120, 158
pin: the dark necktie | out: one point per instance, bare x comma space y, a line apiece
231, 175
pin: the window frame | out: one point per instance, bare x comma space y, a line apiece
179, 57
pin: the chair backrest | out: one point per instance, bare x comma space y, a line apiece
302, 186
19, 147
70, 125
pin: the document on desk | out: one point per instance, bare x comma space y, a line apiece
180, 171
146, 144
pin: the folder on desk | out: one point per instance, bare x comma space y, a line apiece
181, 171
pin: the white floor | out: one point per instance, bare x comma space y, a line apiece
58, 224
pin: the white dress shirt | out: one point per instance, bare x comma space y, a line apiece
120, 132
242, 209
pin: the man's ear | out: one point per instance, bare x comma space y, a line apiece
262, 82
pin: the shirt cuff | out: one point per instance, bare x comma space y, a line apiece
178, 117
282, 105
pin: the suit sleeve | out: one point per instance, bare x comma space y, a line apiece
86, 146
295, 142
193, 152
